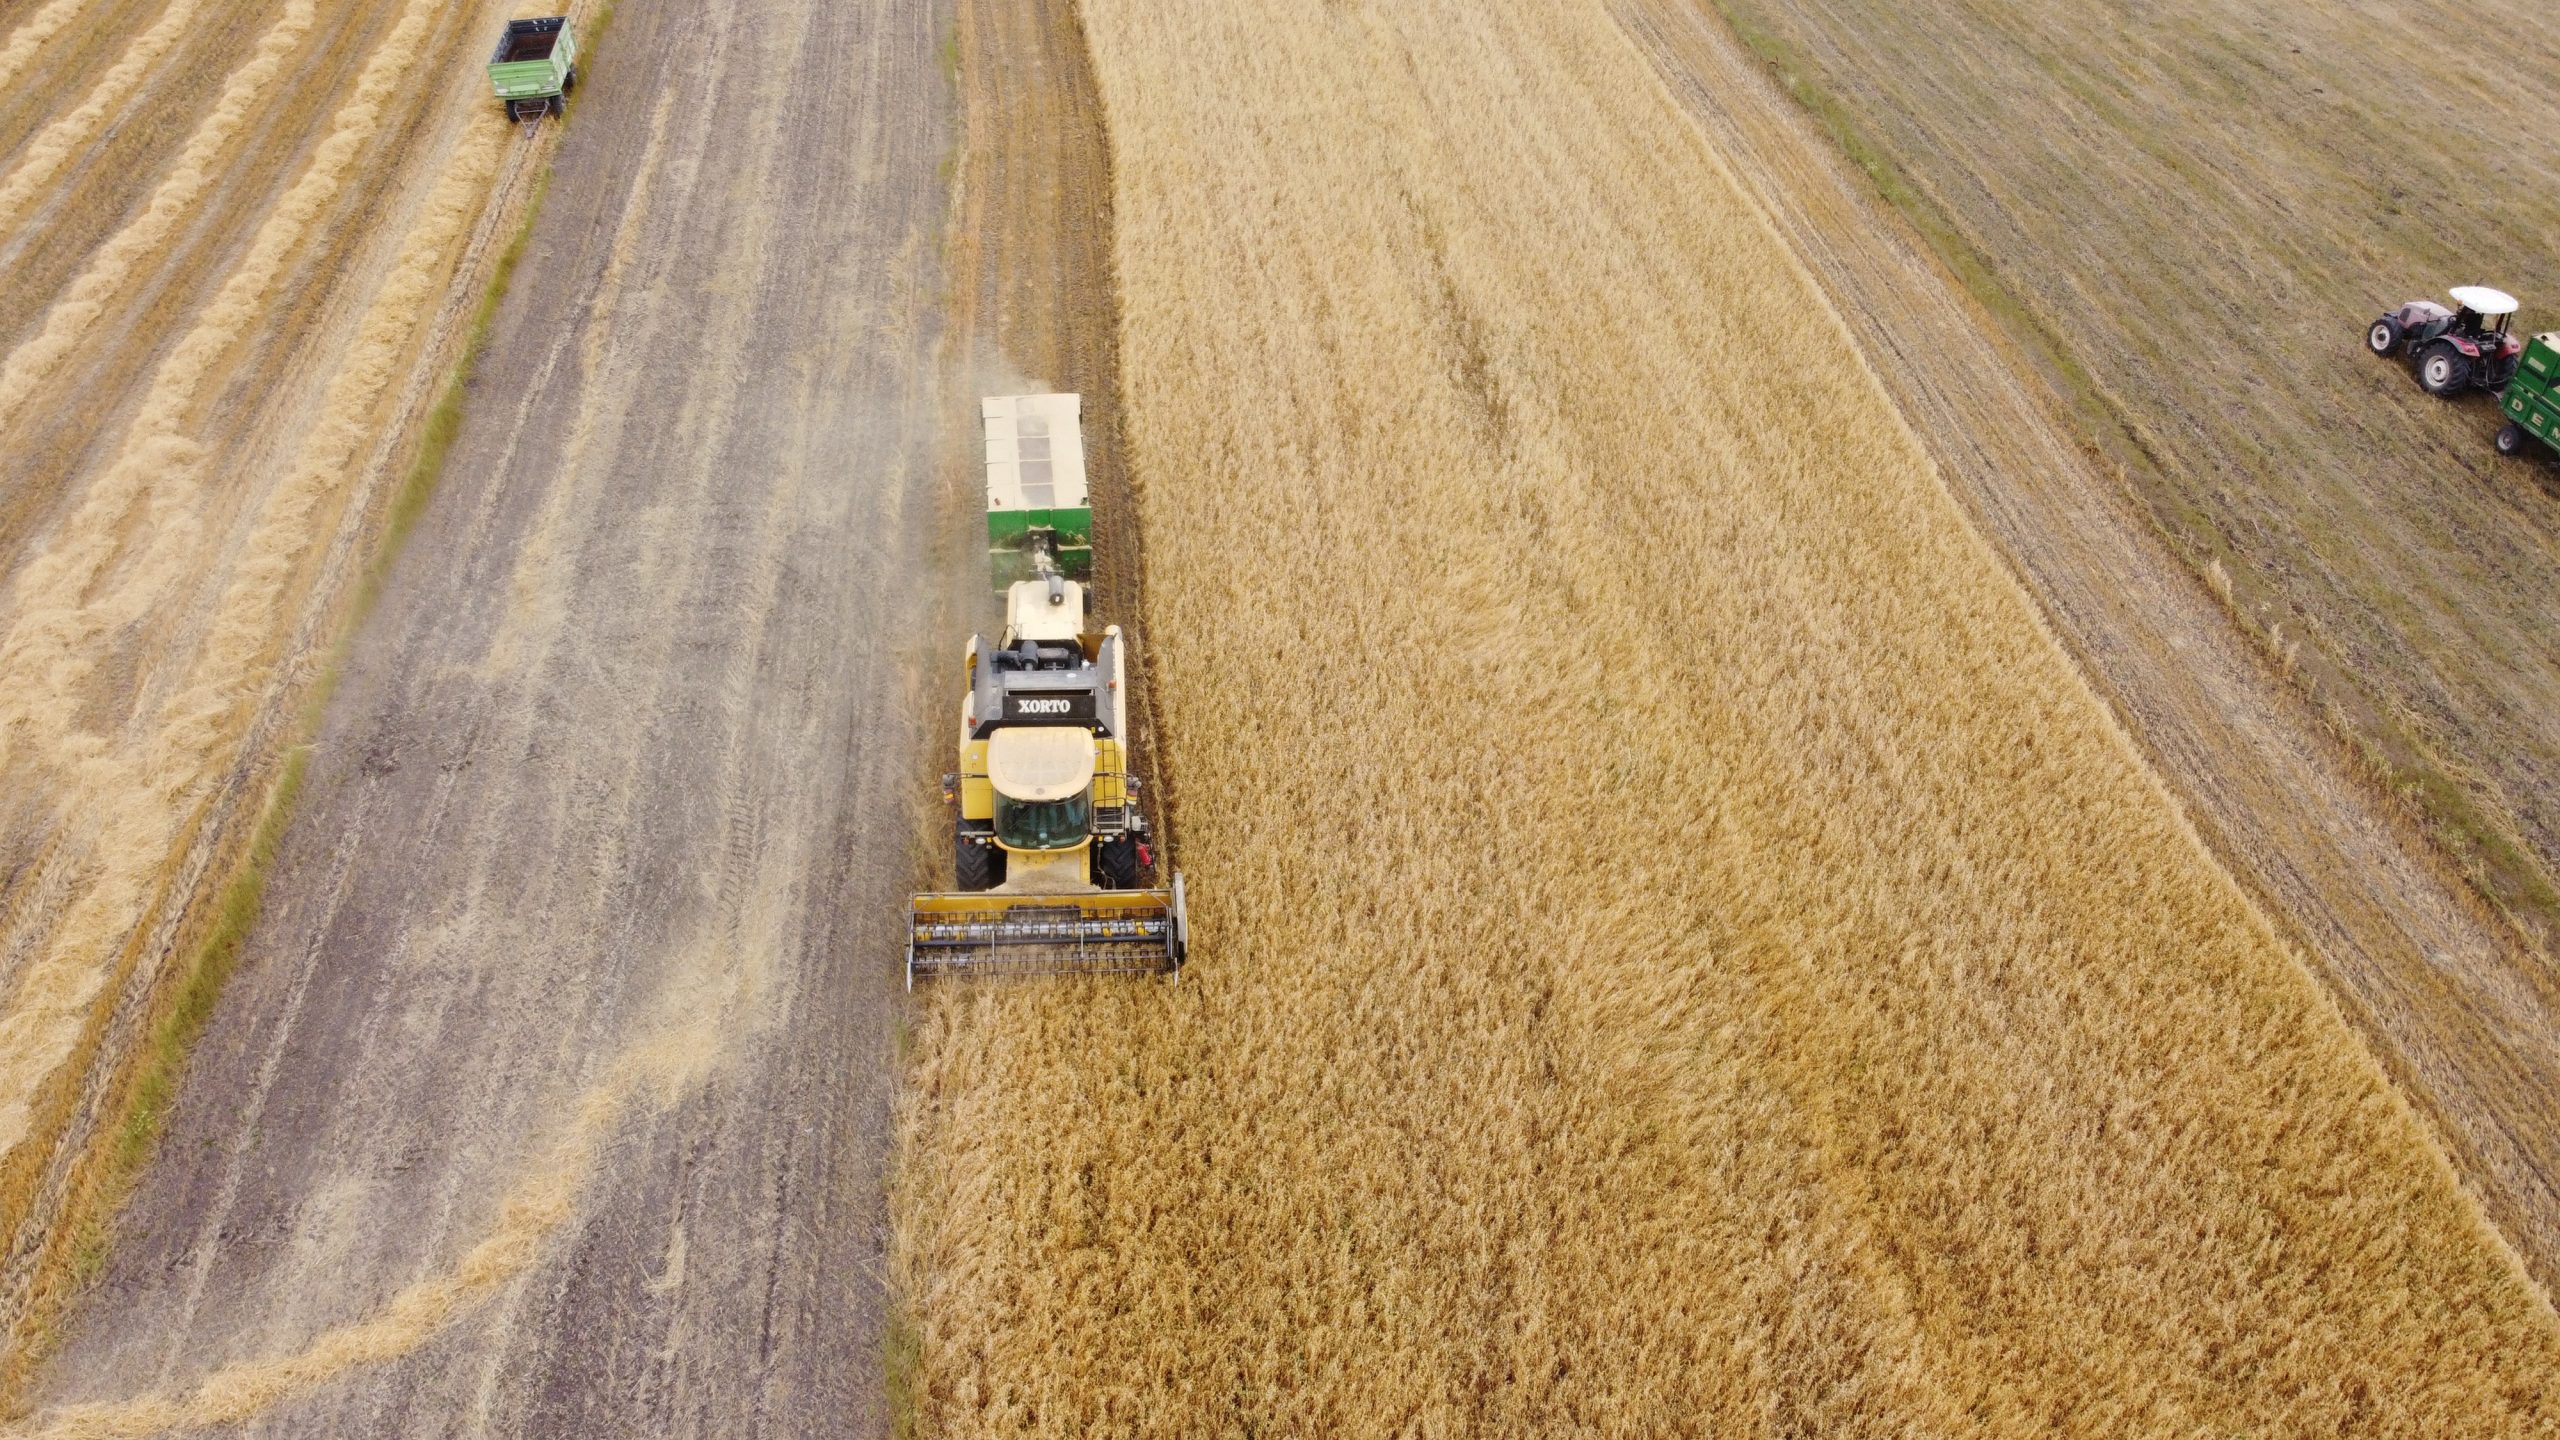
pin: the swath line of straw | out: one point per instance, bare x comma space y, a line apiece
57, 142
73, 316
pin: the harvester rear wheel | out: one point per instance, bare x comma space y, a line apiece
1115, 863
2511, 439
2443, 369
978, 865
2384, 337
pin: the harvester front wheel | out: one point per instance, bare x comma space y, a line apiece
978, 865
2443, 369
1115, 863
2384, 337
2511, 439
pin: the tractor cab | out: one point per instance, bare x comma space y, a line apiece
2485, 314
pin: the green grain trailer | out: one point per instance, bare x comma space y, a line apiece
535, 67
1038, 517
2532, 399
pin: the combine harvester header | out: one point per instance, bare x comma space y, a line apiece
1050, 847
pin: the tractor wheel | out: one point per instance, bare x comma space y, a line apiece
2443, 370
2511, 439
2384, 337
1115, 863
979, 866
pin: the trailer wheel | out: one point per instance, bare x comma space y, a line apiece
2443, 369
2511, 439
2384, 337
1115, 863
977, 865
569, 81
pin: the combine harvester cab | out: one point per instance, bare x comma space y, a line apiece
1049, 846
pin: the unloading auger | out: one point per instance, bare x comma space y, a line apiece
1051, 852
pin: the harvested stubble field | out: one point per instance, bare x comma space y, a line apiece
243, 243
2195, 207
1681, 949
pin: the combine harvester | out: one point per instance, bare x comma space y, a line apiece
1049, 847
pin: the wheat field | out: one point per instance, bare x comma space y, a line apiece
1679, 950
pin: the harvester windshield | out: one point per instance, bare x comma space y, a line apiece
1043, 824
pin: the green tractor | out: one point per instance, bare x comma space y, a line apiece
2532, 399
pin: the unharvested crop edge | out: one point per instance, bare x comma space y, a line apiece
2498, 869
902, 1341
108, 1178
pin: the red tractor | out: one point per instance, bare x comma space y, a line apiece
2454, 350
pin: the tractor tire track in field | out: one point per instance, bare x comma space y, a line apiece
2457, 1012
559, 1062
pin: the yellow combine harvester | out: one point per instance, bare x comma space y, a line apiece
1050, 849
